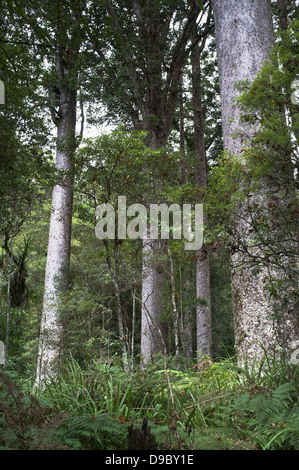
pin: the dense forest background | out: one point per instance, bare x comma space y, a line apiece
137, 344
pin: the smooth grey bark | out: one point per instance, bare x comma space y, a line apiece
203, 291
58, 256
244, 36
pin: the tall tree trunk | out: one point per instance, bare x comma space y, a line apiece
153, 329
68, 39
203, 295
133, 326
58, 257
155, 89
186, 325
244, 35
8, 307
283, 14
182, 134
187, 315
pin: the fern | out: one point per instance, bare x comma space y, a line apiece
270, 415
217, 407
89, 431
25, 423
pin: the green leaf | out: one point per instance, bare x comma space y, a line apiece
200, 5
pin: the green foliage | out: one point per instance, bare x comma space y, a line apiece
92, 403
114, 164
271, 414
24, 422
209, 406
92, 432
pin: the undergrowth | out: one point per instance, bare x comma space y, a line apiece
218, 405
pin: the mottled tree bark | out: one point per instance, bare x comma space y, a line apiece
244, 35
58, 257
154, 331
68, 39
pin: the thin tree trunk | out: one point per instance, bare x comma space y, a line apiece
120, 320
175, 312
283, 14
203, 304
133, 328
186, 325
8, 306
186, 316
284, 23
182, 134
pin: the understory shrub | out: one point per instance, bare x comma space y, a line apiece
211, 405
